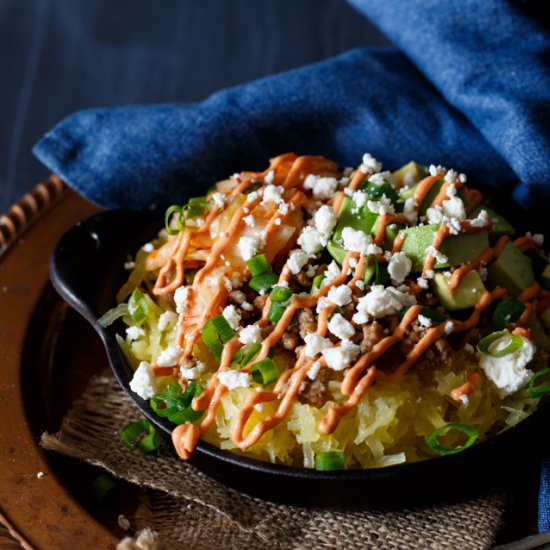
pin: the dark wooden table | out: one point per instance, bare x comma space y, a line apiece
59, 56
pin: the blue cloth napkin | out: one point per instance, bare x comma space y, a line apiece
468, 86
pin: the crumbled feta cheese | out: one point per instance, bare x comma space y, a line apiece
332, 271
144, 381
232, 379
360, 198
189, 373
133, 333
340, 295
296, 260
278, 221
270, 177
454, 225
40, 475
311, 240
454, 208
148, 247
422, 283
399, 267
325, 220
509, 373
451, 176
537, 238
283, 208
273, 193
482, 220
166, 319
360, 284
232, 316
169, 356
321, 187
339, 357
180, 298
239, 296
315, 344
462, 178
381, 207
250, 334
370, 164
340, 327
449, 327
357, 241
248, 247
218, 199
424, 321
380, 302
314, 370
440, 258
435, 170
311, 270
251, 197
410, 209
249, 220
228, 284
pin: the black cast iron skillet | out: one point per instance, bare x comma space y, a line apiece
87, 270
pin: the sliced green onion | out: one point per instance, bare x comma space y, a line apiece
263, 282
436, 317
140, 435
264, 372
316, 284
110, 316
371, 266
484, 344
433, 443
275, 312
258, 265
506, 312
103, 489
171, 210
280, 294
246, 354
137, 307
196, 206
175, 406
329, 460
215, 333
536, 389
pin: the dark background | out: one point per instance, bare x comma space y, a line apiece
59, 56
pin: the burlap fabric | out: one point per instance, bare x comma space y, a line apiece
190, 510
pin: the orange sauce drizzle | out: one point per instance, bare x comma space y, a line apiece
474, 378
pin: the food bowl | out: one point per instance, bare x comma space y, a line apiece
86, 269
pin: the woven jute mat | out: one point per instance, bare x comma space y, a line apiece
190, 510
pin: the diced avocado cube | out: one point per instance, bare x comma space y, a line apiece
466, 294
411, 172
512, 270
352, 216
501, 226
465, 248
459, 249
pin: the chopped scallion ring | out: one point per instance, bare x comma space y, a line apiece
138, 307
433, 443
109, 317
263, 282
258, 265
316, 284
175, 406
140, 435
215, 333
485, 344
537, 389
264, 372
329, 461
175, 208
280, 294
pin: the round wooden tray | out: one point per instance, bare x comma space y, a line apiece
48, 354
35, 329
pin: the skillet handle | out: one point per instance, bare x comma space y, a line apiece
86, 264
